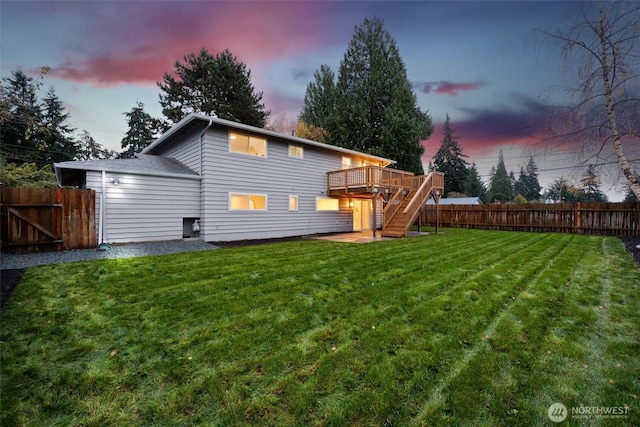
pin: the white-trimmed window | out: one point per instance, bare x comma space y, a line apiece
247, 202
346, 162
293, 203
327, 204
296, 151
247, 144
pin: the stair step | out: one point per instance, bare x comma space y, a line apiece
396, 227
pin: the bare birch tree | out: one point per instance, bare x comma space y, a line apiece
603, 50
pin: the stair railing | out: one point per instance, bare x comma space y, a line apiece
392, 207
415, 205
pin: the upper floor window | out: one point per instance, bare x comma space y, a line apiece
346, 163
246, 144
296, 151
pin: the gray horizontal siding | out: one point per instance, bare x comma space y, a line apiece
187, 152
145, 208
277, 175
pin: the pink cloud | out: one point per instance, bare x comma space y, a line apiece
136, 43
446, 88
485, 130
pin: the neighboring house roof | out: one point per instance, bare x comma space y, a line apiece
457, 201
141, 164
201, 121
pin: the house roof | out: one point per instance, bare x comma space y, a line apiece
68, 173
200, 121
457, 201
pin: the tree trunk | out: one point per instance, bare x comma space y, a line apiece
611, 115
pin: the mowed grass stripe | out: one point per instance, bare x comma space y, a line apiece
439, 407
246, 336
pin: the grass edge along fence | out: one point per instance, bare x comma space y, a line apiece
604, 219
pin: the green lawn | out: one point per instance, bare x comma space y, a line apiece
467, 327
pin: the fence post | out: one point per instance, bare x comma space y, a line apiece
578, 219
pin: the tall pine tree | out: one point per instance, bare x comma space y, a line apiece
527, 184
141, 133
376, 110
55, 133
20, 118
320, 99
450, 160
216, 86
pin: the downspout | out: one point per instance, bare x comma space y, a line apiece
203, 224
102, 209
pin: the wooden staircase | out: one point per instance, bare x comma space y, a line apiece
396, 227
403, 209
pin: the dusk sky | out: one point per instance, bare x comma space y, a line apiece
478, 61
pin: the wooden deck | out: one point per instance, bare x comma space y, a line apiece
403, 192
369, 179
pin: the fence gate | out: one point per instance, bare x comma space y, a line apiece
34, 225
38, 220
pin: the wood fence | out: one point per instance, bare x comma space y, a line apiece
607, 219
39, 220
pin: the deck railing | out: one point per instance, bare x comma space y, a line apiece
367, 178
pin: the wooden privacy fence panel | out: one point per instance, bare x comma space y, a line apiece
35, 220
607, 219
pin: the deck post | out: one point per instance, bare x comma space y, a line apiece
375, 211
436, 198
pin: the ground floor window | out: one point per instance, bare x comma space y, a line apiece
293, 203
327, 204
247, 202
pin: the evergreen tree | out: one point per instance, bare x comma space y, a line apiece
450, 160
320, 99
33, 130
519, 186
89, 149
20, 118
216, 86
590, 191
473, 185
500, 189
376, 110
55, 134
141, 133
532, 186
561, 191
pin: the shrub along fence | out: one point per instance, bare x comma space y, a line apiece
38, 220
607, 219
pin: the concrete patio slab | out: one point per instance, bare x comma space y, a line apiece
358, 237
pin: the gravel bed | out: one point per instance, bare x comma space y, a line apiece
130, 250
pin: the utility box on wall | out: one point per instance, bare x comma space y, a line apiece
190, 227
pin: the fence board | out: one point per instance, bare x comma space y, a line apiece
608, 219
65, 213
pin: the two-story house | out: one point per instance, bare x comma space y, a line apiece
240, 182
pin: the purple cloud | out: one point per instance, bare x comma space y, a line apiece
444, 87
